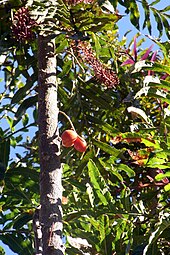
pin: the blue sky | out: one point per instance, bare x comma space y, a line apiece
124, 25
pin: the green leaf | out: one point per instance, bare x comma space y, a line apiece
19, 172
107, 148
158, 21
155, 93
108, 243
134, 13
161, 176
91, 18
96, 180
97, 99
29, 102
4, 152
2, 251
17, 243
10, 122
77, 184
73, 251
164, 98
25, 119
164, 46
90, 194
127, 169
154, 2
154, 162
158, 68
166, 9
147, 16
21, 220
167, 187
160, 227
66, 68
22, 92
63, 44
103, 227
97, 44
163, 84
166, 25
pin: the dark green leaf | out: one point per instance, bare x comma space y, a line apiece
29, 102
166, 9
4, 152
161, 226
159, 68
18, 172
134, 13
66, 68
17, 243
166, 25
154, 2
22, 92
107, 148
158, 21
21, 220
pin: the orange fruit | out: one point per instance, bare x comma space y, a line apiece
68, 138
80, 144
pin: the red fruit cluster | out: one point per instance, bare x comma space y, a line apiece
70, 137
23, 25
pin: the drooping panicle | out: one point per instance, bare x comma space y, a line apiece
23, 25
102, 73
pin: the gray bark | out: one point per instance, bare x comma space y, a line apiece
49, 150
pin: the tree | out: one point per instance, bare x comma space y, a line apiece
64, 68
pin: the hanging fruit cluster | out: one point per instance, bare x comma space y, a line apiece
23, 25
71, 138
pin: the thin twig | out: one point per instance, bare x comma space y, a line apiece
19, 130
68, 118
78, 62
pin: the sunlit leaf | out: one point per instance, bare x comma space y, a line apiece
160, 176
161, 226
126, 169
167, 187
96, 180
107, 148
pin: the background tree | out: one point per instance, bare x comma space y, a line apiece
116, 194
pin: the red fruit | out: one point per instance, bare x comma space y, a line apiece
80, 144
68, 138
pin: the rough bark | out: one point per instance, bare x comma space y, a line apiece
49, 149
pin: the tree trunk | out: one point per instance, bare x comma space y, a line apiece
49, 149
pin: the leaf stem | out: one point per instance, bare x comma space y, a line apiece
68, 118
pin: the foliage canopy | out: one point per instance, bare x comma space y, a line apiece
116, 194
